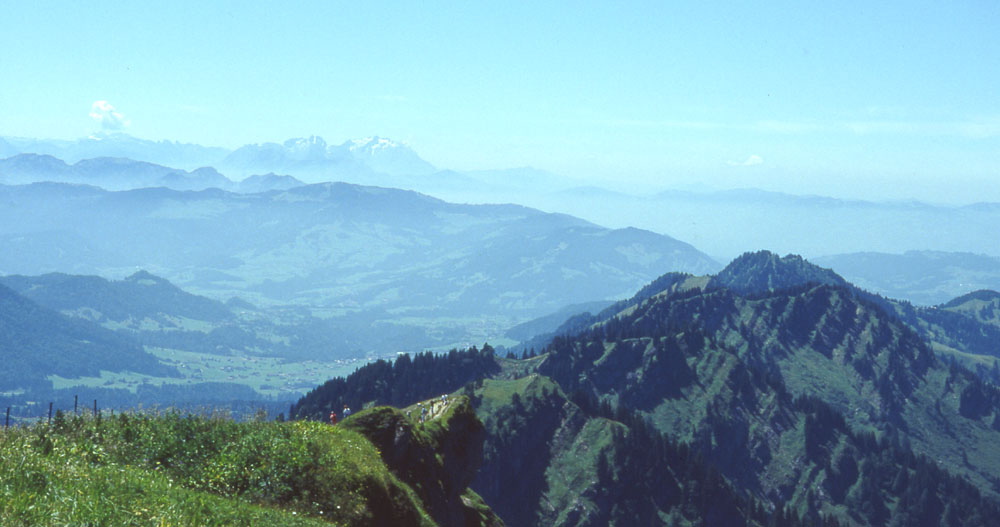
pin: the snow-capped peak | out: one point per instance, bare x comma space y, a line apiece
305, 149
305, 142
373, 144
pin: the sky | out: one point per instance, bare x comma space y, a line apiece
880, 100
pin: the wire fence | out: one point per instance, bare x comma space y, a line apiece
17, 415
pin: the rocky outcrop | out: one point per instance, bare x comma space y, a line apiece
437, 459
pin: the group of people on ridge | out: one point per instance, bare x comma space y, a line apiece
423, 411
344, 414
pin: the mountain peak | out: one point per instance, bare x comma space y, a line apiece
312, 148
370, 145
144, 277
387, 156
982, 295
761, 271
29, 158
305, 142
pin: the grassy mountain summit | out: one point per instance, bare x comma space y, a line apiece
170, 469
982, 305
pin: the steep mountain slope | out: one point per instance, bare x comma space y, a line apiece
548, 461
551, 460
820, 340
36, 342
402, 257
438, 458
963, 330
801, 391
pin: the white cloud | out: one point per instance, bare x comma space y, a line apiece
106, 114
751, 161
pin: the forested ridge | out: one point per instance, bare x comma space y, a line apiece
804, 404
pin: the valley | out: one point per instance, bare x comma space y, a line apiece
269, 377
499, 264
623, 375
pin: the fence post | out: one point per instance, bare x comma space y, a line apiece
7, 421
95, 407
50, 413
74, 404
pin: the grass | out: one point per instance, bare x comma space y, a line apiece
968, 360
496, 393
170, 469
572, 475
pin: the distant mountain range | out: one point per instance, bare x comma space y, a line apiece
312, 158
182, 155
117, 173
122, 162
725, 224
403, 257
111, 173
772, 391
862, 236
922, 277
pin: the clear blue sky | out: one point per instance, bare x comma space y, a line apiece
877, 99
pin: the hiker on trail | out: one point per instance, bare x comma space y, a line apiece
346, 412
423, 414
333, 417
444, 399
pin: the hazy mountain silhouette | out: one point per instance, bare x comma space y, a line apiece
922, 277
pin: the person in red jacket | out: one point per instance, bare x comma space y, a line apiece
333, 418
